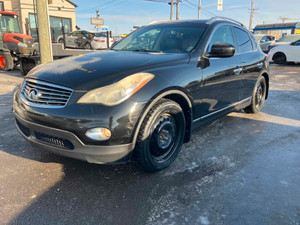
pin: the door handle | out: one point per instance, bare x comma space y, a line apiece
260, 65
237, 71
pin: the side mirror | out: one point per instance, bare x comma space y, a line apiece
262, 41
222, 50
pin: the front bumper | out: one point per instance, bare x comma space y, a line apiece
67, 144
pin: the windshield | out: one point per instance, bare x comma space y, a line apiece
166, 38
290, 38
9, 24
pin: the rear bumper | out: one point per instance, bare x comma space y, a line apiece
67, 144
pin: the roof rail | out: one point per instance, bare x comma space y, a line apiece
213, 19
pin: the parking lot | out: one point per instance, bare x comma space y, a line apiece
241, 169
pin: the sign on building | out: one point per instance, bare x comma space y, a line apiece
97, 21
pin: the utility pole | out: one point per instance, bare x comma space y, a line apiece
177, 10
172, 6
283, 19
44, 31
251, 14
199, 9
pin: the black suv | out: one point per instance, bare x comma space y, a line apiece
141, 99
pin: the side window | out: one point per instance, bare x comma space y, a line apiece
265, 38
243, 41
222, 34
297, 43
254, 43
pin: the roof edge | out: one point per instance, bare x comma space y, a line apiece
72, 3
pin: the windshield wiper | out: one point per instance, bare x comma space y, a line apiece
144, 50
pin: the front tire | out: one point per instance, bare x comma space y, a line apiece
258, 96
161, 136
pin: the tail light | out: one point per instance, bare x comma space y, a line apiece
101, 41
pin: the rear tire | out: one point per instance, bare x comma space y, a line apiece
279, 58
161, 136
6, 61
87, 46
258, 96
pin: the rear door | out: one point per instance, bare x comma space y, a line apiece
221, 78
293, 52
252, 61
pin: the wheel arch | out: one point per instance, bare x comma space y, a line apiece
265, 74
177, 95
277, 53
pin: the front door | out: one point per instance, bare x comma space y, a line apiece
221, 83
293, 52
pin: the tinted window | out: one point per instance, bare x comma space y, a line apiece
242, 40
222, 34
265, 39
254, 43
271, 38
297, 42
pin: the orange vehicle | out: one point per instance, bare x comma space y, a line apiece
13, 43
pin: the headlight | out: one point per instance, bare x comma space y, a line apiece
21, 44
118, 92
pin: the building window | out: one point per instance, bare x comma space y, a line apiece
1, 6
56, 24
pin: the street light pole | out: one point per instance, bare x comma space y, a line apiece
177, 10
199, 9
172, 5
44, 31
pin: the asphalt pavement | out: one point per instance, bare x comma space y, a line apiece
240, 169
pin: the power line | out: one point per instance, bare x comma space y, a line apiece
93, 8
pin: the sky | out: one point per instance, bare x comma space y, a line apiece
122, 15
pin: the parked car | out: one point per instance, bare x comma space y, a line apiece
285, 40
142, 99
100, 40
264, 41
286, 53
77, 39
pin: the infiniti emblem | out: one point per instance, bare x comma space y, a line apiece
34, 94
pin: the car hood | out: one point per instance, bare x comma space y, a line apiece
89, 71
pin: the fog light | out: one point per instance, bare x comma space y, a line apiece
98, 134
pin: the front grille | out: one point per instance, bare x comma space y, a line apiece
23, 129
43, 94
61, 142
29, 42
